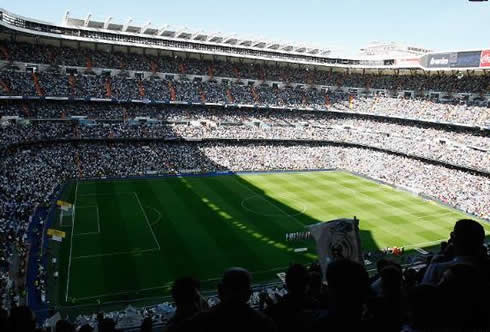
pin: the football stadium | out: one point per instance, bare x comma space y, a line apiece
159, 178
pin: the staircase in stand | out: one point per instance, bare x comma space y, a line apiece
311, 78
285, 77
51, 57
327, 101
37, 85
5, 53
229, 96
153, 66
89, 64
108, 87
141, 89
182, 68
237, 73
203, 96
73, 84
5, 87
262, 74
211, 72
255, 95
173, 93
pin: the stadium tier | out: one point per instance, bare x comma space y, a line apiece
132, 156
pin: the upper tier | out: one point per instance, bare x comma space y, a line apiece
108, 35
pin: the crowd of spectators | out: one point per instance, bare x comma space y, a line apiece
461, 147
213, 92
89, 59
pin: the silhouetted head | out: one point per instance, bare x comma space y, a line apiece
348, 284
297, 279
391, 280
3, 319
235, 286
21, 319
64, 326
468, 237
107, 325
315, 281
147, 325
185, 291
86, 328
382, 263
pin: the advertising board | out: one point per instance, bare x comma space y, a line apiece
441, 60
467, 59
485, 58
408, 62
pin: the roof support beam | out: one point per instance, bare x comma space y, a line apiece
194, 35
125, 26
179, 32
163, 29
87, 20
230, 37
107, 22
145, 27
66, 17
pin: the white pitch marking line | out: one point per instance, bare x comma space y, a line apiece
288, 215
116, 253
159, 215
147, 221
167, 285
98, 219
109, 194
71, 242
418, 245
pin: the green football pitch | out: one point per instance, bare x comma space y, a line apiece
129, 239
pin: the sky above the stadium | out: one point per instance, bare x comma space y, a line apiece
343, 24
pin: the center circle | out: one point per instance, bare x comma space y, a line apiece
261, 206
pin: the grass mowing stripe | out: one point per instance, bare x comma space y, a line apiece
273, 205
202, 228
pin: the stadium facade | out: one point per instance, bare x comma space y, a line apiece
148, 39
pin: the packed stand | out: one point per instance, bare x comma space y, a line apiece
89, 59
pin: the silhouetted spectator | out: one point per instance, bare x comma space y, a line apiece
425, 307
86, 328
147, 325
233, 313
64, 326
348, 287
317, 290
293, 311
21, 319
185, 293
465, 293
467, 239
3, 319
387, 309
107, 325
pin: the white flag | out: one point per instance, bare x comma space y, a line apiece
336, 239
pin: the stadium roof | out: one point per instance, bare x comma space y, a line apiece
185, 34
